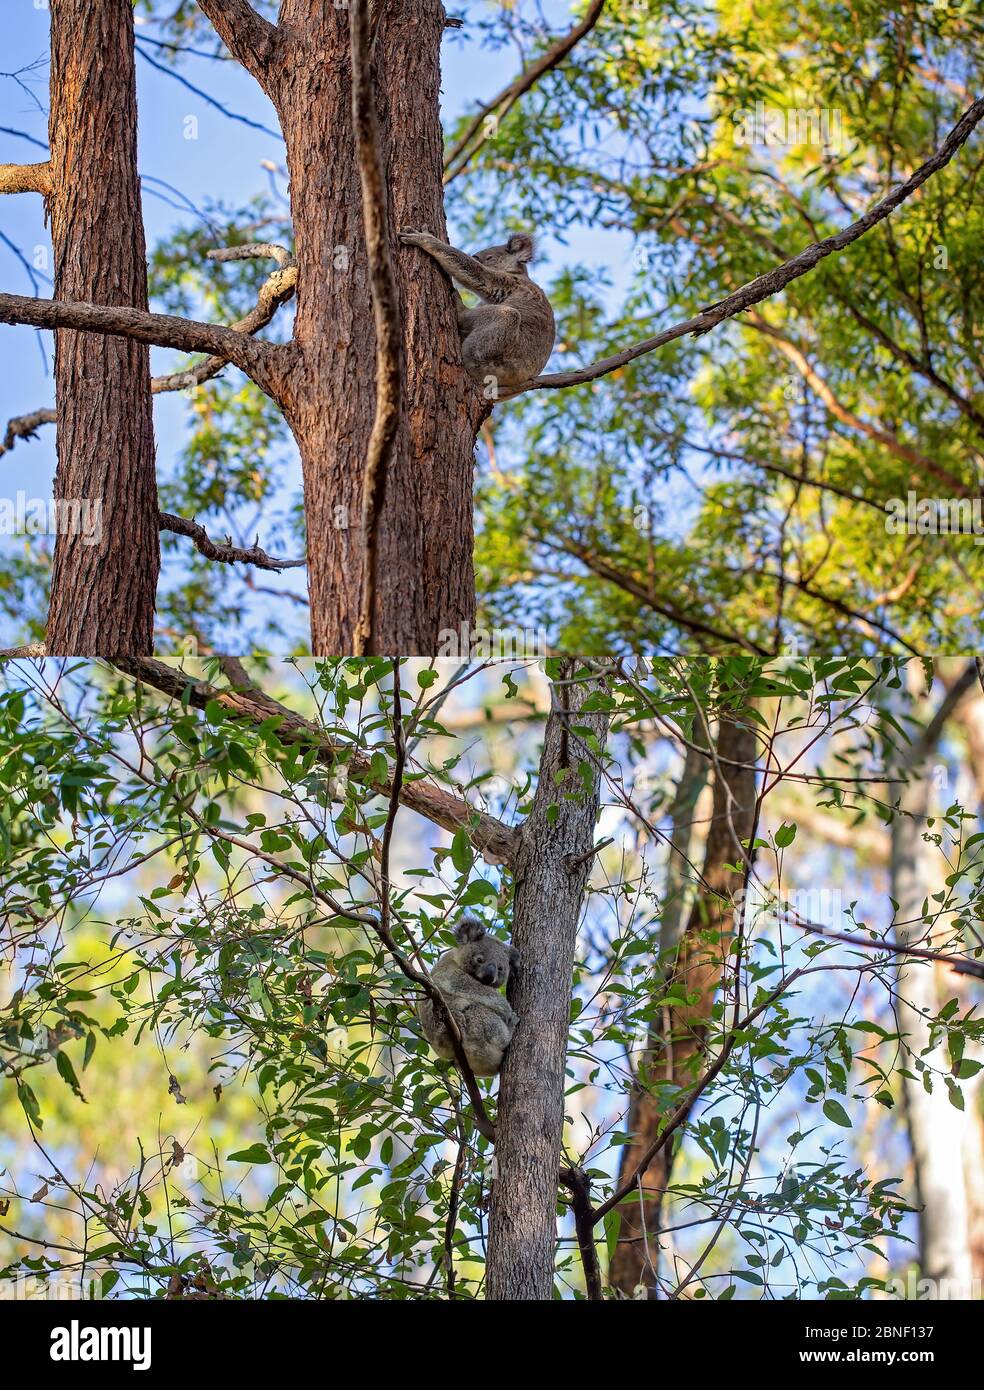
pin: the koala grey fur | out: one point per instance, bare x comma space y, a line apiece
469, 977
510, 336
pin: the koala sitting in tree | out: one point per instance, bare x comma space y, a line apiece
469, 977
511, 335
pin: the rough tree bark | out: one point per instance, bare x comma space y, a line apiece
552, 866
675, 1045
102, 595
426, 578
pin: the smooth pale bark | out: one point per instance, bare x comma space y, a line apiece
102, 595
552, 867
970, 718
425, 571
684, 834
675, 1046
936, 1128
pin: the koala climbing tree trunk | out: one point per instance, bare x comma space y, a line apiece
552, 869
103, 591
425, 573
675, 1043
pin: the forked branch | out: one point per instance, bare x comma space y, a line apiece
260, 361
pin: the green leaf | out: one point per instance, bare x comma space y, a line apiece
955, 1094
613, 1224
835, 1112
462, 854
967, 1069
29, 1102
66, 1071
256, 1153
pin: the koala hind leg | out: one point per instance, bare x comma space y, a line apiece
485, 1035
487, 332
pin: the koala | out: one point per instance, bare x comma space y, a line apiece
469, 977
511, 335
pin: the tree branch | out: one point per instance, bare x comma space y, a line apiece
260, 361
764, 286
961, 964
496, 841
250, 39
508, 97
26, 178
25, 427
845, 297
205, 96
276, 290
579, 1185
33, 649
386, 314
630, 585
228, 553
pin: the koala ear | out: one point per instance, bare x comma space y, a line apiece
520, 246
469, 929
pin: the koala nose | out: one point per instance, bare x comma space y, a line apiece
487, 975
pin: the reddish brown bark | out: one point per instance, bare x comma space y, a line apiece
425, 573
102, 594
675, 1047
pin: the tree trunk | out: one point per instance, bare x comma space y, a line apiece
677, 896
103, 595
936, 1128
426, 579
973, 1138
970, 717
551, 872
675, 1045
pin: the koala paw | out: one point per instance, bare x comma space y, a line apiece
411, 238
